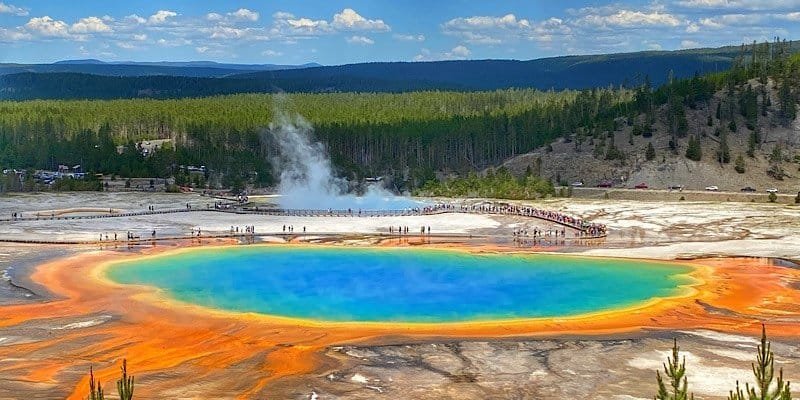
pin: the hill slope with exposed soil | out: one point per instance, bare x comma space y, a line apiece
567, 161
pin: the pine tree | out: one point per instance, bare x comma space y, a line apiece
125, 384
723, 153
675, 370
650, 152
694, 152
739, 164
95, 389
752, 140
764, 372
787, 101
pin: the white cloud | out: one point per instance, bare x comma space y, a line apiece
737, 20
424, 55
201, 49
135, 19
47, 27
125, 45
689, 44
227, 32
754, 5
90, 25
308, 25
13, 35
139, 37
214, 17
12, 9
630, 19
508, 21
271, 53
409, 38
161, 17
362, 40
493, 30
792, 16
244, 14
458, 53
653, 46
349, 19
173, 42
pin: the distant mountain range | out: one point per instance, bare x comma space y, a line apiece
96, 79
205, 69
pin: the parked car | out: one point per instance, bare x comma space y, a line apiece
712, 188
605, 184
748, 189
772, 190
641, 186
576, 184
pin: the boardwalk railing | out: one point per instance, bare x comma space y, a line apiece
585, 228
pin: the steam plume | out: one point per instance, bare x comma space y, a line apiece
307, 180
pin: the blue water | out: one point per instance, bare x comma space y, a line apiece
400, 285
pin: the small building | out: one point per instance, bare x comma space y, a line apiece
146, 147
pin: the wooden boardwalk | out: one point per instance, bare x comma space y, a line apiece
585, 233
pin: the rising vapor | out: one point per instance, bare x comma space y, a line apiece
307, 180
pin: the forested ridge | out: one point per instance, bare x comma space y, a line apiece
112, 81
406, 135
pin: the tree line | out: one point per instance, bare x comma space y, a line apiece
408, 135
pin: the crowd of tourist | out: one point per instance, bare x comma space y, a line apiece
584, 228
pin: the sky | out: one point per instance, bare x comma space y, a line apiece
332, 32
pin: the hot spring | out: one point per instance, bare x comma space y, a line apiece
400, 285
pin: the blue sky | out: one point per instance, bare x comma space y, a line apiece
348, 31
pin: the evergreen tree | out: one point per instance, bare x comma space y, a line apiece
787, 101
723, 153
650, 152
777, 154
764, 372
694, 151
752, 140
125, 384
739, 164
732, 125
95, 388
675, 370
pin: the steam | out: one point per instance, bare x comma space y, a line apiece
307, 180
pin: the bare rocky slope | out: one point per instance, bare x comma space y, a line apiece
569, 161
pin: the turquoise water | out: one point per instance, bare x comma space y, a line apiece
400, 285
